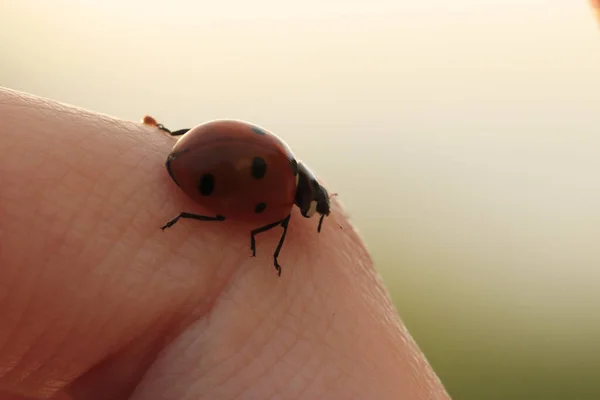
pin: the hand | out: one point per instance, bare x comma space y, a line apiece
96, 302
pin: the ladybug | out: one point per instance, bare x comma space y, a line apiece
239, 171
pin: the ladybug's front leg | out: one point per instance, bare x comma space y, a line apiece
191, 216
284, 224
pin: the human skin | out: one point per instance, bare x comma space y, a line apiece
596, 9
96, 302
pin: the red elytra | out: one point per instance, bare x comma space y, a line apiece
239, 171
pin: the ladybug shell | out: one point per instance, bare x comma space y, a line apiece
236, 170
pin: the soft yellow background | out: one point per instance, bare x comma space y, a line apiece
463, 136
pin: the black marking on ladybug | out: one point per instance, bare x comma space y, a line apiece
256, 129
260, 207
207, 184
294, 165
259, 168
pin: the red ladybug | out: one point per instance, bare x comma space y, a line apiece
242, 172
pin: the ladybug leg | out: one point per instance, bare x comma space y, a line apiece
284, 223
176, 133
179, 132
191, 216
320, 223
256, 231
151, 121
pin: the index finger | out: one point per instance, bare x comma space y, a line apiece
96, 299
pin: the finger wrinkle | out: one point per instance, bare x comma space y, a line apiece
265, 351
233, 345
37, 357
259, 341
24, 363
303, 374
67, 195
308, 363
65, 308
292, 364
380, 315
320, 333
225, 356
12, 322
31, 304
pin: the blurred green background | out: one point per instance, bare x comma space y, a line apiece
463, 137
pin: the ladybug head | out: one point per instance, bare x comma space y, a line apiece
311, 196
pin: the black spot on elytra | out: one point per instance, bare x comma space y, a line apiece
256, 129
259, 168
207, 184
260, 207
294, 165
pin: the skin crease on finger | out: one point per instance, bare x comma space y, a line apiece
97, 302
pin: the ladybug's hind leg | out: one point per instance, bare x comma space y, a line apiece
284, 224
